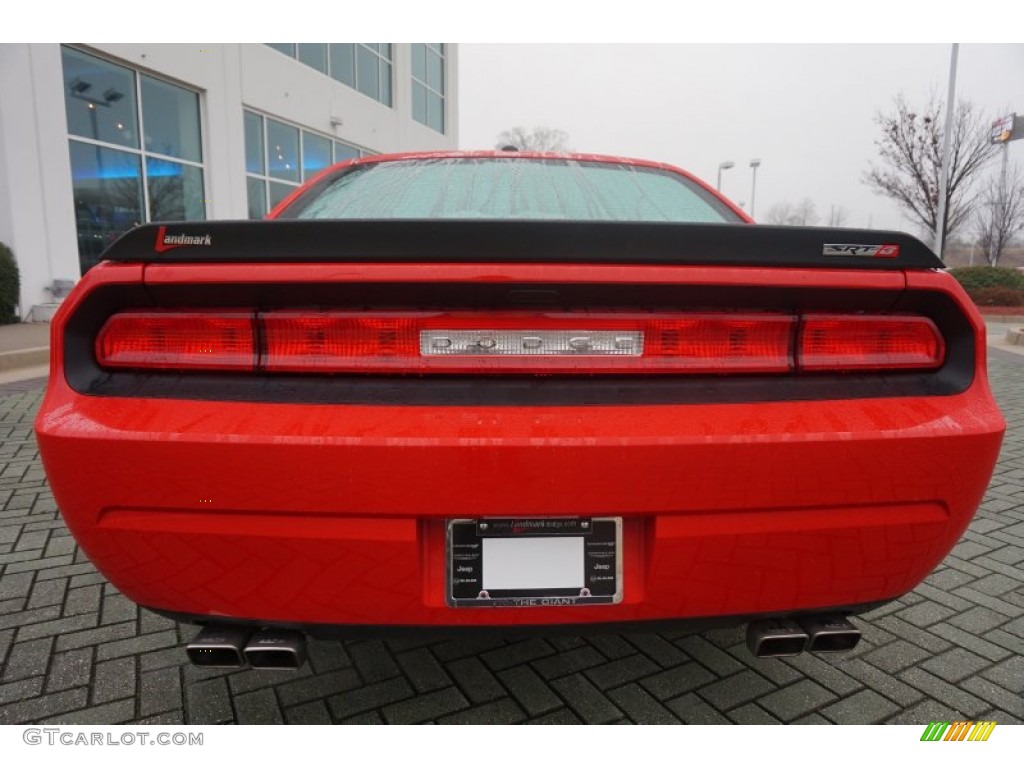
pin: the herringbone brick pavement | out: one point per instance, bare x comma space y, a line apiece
73, 650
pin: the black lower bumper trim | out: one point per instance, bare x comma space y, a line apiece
444, 632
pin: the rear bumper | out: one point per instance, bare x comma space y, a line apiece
505, 631
336, 515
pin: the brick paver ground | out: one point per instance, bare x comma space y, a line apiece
73, 650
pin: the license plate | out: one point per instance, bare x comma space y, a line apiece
532, 562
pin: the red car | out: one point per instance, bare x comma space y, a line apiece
515, 391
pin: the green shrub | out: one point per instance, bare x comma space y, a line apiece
10, 286
997, 296
973, 278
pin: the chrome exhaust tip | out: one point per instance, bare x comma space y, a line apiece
830, 634
776, 637
218, 646
276, 649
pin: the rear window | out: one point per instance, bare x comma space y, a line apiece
509, 188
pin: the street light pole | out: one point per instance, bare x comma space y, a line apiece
754, 165
940, 218
724, 166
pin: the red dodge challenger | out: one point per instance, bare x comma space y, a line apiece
515, 391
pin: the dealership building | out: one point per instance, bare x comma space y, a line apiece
95, 139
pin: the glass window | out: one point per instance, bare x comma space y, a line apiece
419, 103
107, 189
171, 117
428, 85
116, 189
344, 151
435, 111
363, 66
279, 192
435, 72
343, 63
316, 154
419, 62
282, 151
175, 191
288, 156
100, 99
368, 75
254, 156
314, 55
379, 72
257, 197
473, 188
385, 82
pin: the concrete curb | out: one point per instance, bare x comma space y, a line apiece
24, 358
1002, 318
1015, 336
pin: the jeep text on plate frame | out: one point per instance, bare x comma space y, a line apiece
533, 562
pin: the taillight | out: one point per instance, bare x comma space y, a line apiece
178, 340
526, 343
296, 341
712, 343
326, 341
844, 343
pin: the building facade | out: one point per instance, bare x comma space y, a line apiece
95, 139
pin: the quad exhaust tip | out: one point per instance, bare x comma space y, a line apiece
830, 634
776, 637
789, 637
228, 647
218, 646
276, 649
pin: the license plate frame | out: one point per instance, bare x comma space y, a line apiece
556, 544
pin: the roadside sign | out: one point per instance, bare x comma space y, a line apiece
1002, 130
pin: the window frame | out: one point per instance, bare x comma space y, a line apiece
266, 179
139, 151
372, 48
442, 53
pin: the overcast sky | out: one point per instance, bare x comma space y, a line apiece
807, 111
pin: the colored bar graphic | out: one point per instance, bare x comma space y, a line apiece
959, 730
982, 730
934, 731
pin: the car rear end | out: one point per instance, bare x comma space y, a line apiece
457, 424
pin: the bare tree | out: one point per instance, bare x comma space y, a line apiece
805, 214
1001, 214
837, 216
780, 213
540, 139
802, 214
910, 151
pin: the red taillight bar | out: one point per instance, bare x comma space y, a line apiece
193, 340
862, 342
516, 342
454, 342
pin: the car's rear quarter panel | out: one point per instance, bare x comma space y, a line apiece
335, 514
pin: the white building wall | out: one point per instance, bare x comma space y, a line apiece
36, 203
37, 216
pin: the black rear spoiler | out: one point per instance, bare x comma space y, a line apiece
492, 241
